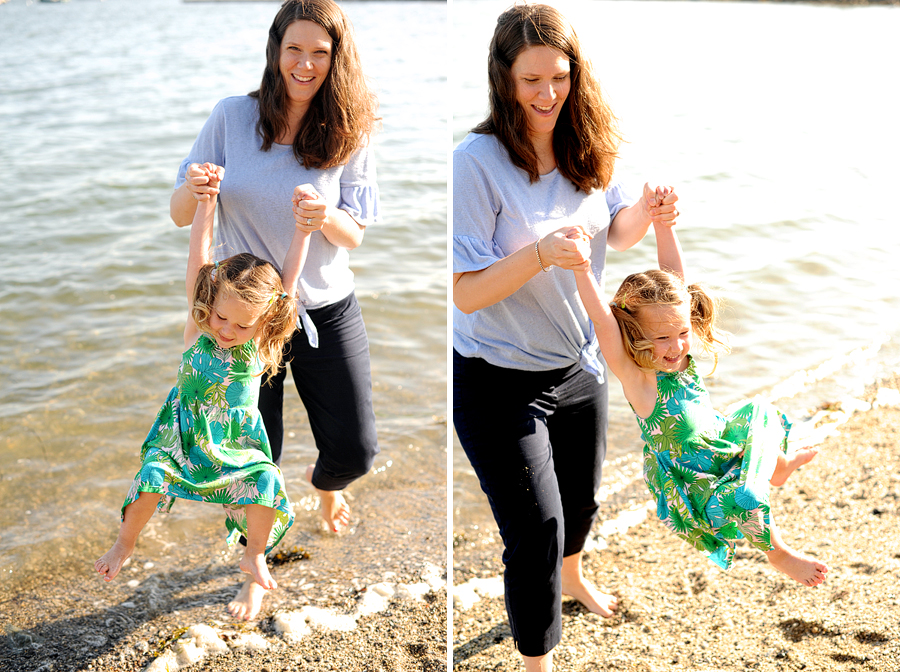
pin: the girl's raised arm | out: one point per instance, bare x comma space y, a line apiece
609, 335
668, 250
296, 254
199, 250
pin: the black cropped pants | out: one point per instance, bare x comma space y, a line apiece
537, 441
335, 385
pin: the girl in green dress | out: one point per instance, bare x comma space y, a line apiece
709, 474
208, 442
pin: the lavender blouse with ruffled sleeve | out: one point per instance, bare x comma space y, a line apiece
497, 211
254, 208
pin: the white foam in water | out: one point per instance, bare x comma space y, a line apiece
468, 593
202, 641
803, 379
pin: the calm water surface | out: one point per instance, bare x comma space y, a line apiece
99, 103
781, 140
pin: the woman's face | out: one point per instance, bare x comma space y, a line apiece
305, 62
541, 75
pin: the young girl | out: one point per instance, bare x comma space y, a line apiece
709, 474
208, 442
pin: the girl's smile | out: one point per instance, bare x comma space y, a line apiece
233, 322
668, 328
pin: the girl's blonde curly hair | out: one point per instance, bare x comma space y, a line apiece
256, 283
661, 288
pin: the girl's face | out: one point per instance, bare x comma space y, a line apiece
541, 75
305, 62
669, 329
233, 322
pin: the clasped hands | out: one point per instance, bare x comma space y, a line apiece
570, 248
309, 208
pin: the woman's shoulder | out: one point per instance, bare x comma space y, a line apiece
482, 153
238, 105
484, 146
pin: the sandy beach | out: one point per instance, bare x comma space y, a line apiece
63, 617
680, 612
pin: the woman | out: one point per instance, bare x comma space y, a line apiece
308, 124
530, 404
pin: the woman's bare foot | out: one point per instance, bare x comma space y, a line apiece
254, 564
787, 464
334, 508
599, 603
110, 563
799, 567
576, 586
246, 604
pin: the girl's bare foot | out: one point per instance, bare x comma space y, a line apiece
246, 604
254, 564
334, 508
110, 563
787, 464
799, 567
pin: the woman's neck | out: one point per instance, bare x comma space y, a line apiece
543, 149
295, 119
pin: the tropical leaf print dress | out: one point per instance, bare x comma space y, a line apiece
708, 473
208, 442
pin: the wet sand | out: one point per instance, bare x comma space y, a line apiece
678, 611
62, 616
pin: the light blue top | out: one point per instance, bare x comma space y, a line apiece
254, 208
496, 212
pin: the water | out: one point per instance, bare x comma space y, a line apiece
781, 140
99, 103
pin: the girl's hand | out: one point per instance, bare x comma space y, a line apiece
659, 205
203, 180
568, 247
310, 209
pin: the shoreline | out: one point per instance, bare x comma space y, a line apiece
680, 612
373, 594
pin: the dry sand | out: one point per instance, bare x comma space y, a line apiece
678, 611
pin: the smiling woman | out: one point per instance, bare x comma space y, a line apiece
305, 63
529, 397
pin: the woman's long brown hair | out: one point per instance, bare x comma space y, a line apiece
343, 112
586, 138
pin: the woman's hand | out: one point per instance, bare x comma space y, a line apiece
659, 205
568, 247
202, 180
310, 209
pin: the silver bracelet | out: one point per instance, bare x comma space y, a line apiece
537, 253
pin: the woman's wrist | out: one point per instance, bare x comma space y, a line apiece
537, 251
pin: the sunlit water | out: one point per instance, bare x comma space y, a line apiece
776, 125
99, 103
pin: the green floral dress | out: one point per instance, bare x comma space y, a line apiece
710, 474
209, 444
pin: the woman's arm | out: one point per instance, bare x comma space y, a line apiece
337, 225
475, 290
631, 224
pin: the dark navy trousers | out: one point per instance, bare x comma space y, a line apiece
335, 385
537, 441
